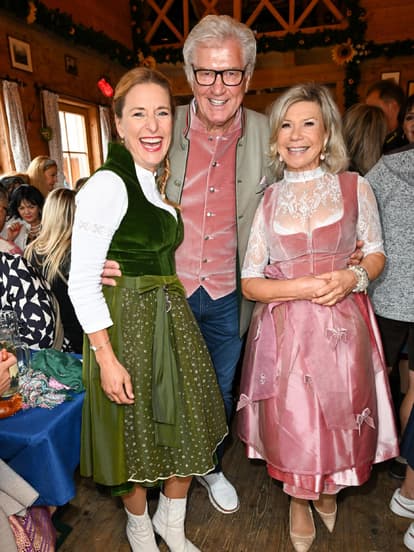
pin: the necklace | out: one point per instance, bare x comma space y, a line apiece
35, 229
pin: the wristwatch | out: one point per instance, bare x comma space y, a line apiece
362, 278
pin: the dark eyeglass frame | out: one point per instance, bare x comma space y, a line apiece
221, 73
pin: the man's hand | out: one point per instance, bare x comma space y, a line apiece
111, 269
357, 255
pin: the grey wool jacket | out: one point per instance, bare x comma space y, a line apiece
392, 180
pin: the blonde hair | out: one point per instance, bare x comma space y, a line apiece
53, 242
36, 172
145, 75
336, 159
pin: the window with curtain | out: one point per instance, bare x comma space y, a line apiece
81, 139
15, 153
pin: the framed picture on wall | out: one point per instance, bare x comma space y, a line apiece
20, 54
410, 88
391, 75
71, 65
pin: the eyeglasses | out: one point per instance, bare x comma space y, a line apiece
229, 77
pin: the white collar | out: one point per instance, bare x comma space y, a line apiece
304, 176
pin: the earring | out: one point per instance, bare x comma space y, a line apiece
122, 141
322, 155
280, 158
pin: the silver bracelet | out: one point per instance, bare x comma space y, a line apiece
362, 278
96, 348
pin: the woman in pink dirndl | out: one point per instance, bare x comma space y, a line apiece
314, 396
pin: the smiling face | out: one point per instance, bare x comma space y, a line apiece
217, 104
29, 212
302, 136
146, 124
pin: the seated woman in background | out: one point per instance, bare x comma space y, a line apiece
26, 204
6, 245
43, 172
23, 527
25, 291
13, 180
50, 254
364, 130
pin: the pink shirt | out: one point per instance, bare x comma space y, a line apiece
207, 256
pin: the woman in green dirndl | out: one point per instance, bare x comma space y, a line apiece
153, 413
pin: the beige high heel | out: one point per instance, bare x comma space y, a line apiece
301, 543
329, 519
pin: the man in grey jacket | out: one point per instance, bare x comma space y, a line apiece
218, 165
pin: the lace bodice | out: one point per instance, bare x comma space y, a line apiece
306, 202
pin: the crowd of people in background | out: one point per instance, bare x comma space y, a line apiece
280, 222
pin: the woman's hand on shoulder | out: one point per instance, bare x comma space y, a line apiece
115, 379
339, 284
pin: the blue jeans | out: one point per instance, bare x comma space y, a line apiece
219, 324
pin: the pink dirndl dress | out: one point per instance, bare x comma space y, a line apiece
314, 395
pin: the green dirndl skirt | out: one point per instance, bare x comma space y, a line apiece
122, 443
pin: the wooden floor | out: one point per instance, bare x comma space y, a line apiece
365, 523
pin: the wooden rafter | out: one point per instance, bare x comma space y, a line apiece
205, 7
162, 16
259, 8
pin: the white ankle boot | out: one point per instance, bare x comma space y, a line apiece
168, 522
140, 532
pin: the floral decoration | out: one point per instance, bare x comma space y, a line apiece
343, 53
148, 61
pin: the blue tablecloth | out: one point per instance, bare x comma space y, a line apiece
43, 446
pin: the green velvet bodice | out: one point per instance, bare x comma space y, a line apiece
148, 236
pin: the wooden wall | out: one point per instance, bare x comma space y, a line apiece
48, 53
109, 16
388, 20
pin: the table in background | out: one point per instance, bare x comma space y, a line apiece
43, 446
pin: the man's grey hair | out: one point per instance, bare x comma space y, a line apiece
211, 31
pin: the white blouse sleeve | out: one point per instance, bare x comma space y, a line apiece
369, 224
257, 254
100, 207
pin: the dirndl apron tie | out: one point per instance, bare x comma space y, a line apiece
164, 369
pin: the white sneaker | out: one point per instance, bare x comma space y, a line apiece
409, 537
401, 505
222, 494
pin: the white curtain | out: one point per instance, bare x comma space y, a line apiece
51, 118
106, 128
17, 127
